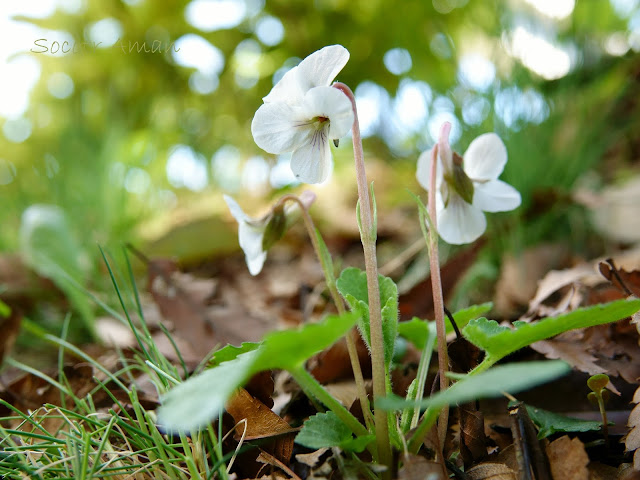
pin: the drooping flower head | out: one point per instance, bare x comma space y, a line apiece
257, 235
467, 186
302, 113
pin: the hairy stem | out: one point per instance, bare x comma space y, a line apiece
368, 236
436, 287
329, 275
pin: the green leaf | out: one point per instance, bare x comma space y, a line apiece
511, 378
230, 352
352, 285
550, 422
289, 349
415, 330
198, 400
498, 341
327, 430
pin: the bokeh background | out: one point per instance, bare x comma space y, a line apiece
126, 120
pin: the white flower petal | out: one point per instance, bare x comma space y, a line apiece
460, 222
255, 264
423, 174
311, 163
321, 67
250, 236
236, 210
444, 149
330, 103
289, 89
318, 69
250, 239
280, 127
485, 158
495, 196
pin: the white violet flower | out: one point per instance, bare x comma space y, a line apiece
257, 235
467, 186
303, 112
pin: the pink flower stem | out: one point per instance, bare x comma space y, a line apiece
436, 287
368, 237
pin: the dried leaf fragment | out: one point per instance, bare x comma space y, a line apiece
628, 282
491, 471
568, 459
632, 440
261, 422
416, 467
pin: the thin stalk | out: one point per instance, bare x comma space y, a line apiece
436, 287
423, 370
313, 388
605, 422
426, 423
329, 275
368, 236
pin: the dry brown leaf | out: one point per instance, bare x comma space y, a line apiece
611, 349
584, 276
9, 329
29, 392
473, 442
600, 471
346, 392
415, 467
269, 459
627, 472
519, 276
491, 471
571, 352
568, 459
114, 333
334, 364
632, 440
555, 280
418, 301
261, 423
628, 282
311, 459
181, 304
261, 386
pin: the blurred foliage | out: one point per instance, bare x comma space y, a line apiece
129, 110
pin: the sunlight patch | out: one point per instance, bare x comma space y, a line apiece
557, 9
186, 168
210, 15
539, 55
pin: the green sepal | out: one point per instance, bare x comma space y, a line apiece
460, 182
275, 229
